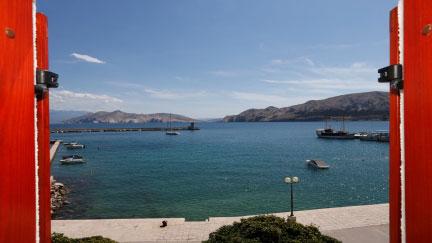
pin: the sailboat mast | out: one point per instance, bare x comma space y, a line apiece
343, 123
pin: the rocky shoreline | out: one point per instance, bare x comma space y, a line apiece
58, 195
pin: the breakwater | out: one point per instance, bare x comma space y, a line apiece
142, 129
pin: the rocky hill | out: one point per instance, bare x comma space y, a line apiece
358, 106
58, 116
123, 117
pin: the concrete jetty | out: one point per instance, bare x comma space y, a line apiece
54, 148
353, 224
142, 129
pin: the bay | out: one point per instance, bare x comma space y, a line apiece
224, 169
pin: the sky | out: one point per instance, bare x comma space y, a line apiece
211, 58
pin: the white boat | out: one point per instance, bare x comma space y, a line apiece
170, 131
72, 159
360, 135
69, 143
379, 136
319, 164
75, 146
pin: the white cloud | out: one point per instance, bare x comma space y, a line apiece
70, 100
225, 73
356, 71
297, 61
171, 95
139, 89
356, 77
257, 97
325, 84
87, 58
340, 46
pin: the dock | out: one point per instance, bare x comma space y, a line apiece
54, 148
129, 129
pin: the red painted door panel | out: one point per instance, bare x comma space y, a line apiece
418, 120
17, 128
43, 133
395, 162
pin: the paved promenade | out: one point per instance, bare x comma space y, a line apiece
53, 149
351, 224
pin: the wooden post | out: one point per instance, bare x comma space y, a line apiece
43, 134
17, 123
418, 119
395, 155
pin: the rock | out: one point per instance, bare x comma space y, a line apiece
58, 184
58, 195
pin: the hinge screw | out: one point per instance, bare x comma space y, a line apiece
427, 30
10, 33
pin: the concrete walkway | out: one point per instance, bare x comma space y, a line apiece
351, 224
53, 149
370, 234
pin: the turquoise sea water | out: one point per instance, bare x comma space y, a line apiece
225, 169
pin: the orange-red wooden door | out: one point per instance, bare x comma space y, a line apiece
418, 119
395, 155
43, 134
17, 123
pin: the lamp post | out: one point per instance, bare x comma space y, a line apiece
291, 181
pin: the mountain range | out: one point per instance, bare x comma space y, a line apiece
358, 106
123, 117
58, 116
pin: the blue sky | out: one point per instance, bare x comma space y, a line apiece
209, 59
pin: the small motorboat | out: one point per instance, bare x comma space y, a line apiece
319, 164
69, 143
379, 136
360, 135
72, 159
75, 145
172, 133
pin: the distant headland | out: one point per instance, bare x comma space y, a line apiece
358, 106
123, 117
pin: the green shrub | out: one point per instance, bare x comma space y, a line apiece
269, 229
60, 238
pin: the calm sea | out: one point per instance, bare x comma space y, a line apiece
225, 169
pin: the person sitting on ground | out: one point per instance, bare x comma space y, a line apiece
164, 224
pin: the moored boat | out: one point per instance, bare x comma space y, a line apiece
378, 136
319, 164
72, 159
170, 131
69, 143
75, 145
328, 132
359, 135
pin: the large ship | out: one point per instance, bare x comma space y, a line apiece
328, 132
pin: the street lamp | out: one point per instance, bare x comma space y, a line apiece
291, 181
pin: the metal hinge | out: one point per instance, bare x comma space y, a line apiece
392, 74
45, 80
